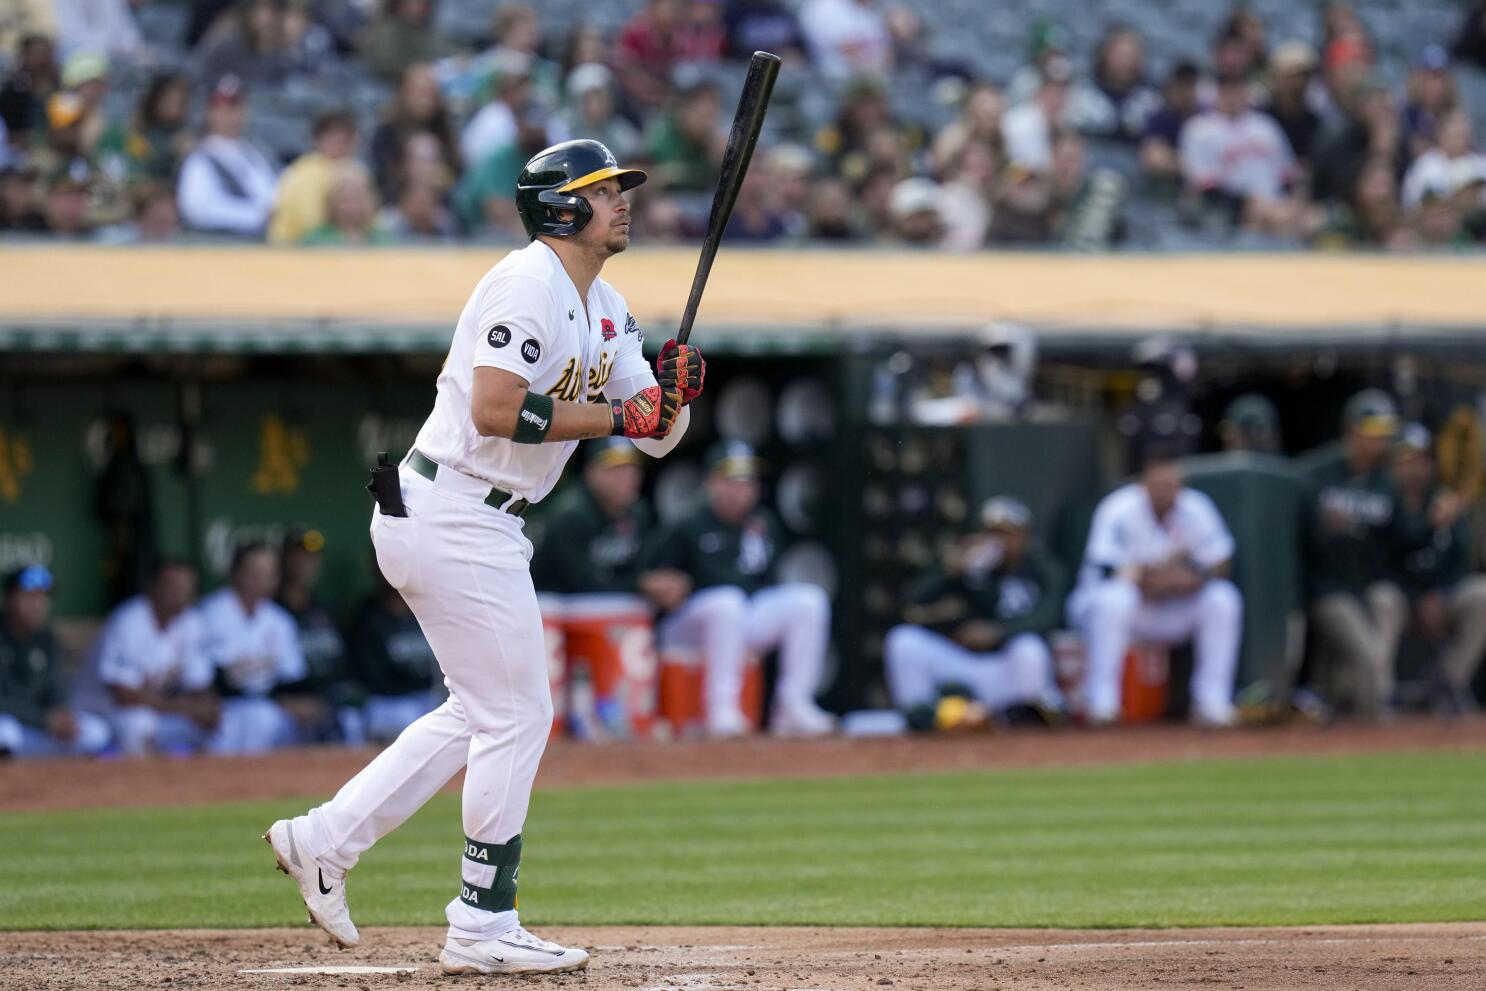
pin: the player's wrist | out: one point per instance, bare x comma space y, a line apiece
616, 418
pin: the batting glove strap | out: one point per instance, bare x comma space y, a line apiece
681, 366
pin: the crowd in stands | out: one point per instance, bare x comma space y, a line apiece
1384, 551
1250, 138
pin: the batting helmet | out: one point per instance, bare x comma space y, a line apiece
548, 181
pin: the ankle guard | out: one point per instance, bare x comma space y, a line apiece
489, 874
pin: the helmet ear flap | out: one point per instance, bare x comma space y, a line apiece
554, 201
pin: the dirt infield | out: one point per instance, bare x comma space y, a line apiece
313, 772
1357, 958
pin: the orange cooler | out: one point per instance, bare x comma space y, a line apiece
613, 638
683, 690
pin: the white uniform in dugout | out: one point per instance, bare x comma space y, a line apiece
460, 560
1109, 610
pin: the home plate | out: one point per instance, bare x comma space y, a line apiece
332, 970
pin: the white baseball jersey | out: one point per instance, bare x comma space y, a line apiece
1126, 534
1243, 156
526, 317
135, 652
255, 653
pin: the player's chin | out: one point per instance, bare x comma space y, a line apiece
618, 241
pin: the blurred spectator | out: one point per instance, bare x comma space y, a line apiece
1371, 217
1250, 423
1120, 102
863, 112
728, 547
830, 216
1470, 44
156, 218
85, 74
1159, 155
35, 720
65, 210
1367, 128
790, 169
154, 143
1027, 129
1046, 40
847, 37
1156, 569
1057, 204
1346, 63
1452, 169
402, 34
249, 44
103, 26
1238, 161
20, 200
1340, 21
21, 19
584, 45
305, 185
514, 29
151, 660
981, 623
493, 127
757, 217
393, 661
30, 84
592, 111
419, 213
485, 199
1439, 223
1290, 73
1431, 94
686, 144
350, 211
1244, 26
979, 122
652, 43
63, 149
416, 107
1447, 603
969, 177
761, 25
253, 646
1354, 531
309, 48
227, 185
915, 212
328, 675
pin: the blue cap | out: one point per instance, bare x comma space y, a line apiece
31, 578
1432, 57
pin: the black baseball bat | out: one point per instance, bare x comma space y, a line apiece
747, 122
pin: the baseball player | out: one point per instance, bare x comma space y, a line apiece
1155, 568
980, 623
728, 548
544, 354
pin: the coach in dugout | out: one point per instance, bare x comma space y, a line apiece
728, 546
1354, 532
592, 543
151, 661
253, 645
35, 720
980, 622
1156, 569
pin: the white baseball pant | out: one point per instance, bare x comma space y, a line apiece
1110, 614
918, 662
462, 566
725, 623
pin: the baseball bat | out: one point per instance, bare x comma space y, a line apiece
747, 122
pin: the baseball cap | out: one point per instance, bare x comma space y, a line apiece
1433, 58
84, 67
914, 195
734, 459
1370, 413
1293, 56
304, 538
30, 578
588, 77
613, 451
1416, 437
1252, 413
1005, 513
229, 89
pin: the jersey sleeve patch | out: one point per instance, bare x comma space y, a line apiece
531, 352
499, 336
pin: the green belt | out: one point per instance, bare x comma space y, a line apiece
497, 499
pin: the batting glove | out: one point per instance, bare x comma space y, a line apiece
650, 412
684, 367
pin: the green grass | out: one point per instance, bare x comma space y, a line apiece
1398, 838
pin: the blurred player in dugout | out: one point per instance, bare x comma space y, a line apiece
978, 625
727, 546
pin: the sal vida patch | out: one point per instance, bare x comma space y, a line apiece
531, 352
499, 336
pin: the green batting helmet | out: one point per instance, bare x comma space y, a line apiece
548, 181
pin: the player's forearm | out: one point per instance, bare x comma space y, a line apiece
531, 418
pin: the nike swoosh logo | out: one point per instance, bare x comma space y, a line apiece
571, 314
321, 874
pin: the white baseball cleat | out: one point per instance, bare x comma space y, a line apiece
1222, 716
323, 891
727, 724
805, 720
515, 952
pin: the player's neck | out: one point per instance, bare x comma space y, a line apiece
579, 260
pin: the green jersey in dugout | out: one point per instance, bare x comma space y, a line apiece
715, 553
583, 550
1027, 598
